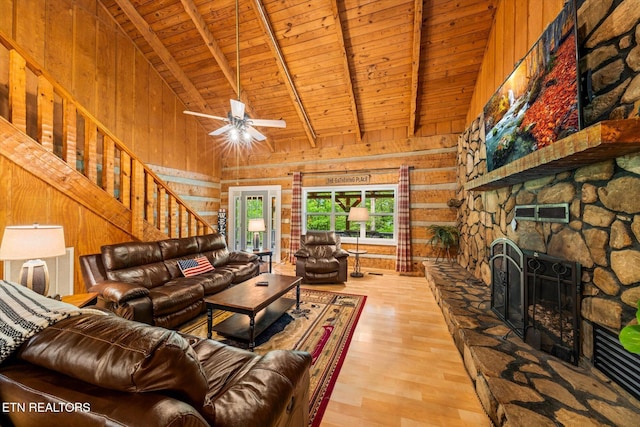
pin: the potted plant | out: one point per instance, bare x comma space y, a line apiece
630, 335
443, 239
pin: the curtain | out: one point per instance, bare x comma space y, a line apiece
403, 250
296, 216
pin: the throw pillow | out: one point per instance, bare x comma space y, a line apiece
195, 266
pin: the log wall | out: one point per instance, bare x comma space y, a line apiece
26, 199
432, 180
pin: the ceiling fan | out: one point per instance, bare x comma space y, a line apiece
239, 127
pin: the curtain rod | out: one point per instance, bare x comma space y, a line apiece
349, 171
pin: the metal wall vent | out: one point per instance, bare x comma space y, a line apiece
610, 357
558, 212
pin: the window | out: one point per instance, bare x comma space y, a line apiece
328, 209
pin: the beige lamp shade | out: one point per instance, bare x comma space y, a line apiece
257, 224
28, 242
358, 214
20, 242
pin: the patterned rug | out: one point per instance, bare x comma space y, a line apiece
323, 327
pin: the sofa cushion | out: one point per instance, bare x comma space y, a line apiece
176, 294
321, 265
194, 266
149, 275
119, 354
130, 254
216, 281
214, 247
178, 248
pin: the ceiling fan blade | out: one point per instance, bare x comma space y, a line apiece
221, 130
255, 134
206, 116
269, 123
237, 109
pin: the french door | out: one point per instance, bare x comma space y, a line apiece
246, 203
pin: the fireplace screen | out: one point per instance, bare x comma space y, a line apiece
538, 297
507, 298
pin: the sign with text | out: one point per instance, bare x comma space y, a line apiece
348, 179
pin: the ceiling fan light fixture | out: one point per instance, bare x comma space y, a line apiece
234, 135
246, 137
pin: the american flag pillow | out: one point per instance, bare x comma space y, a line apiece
195, 266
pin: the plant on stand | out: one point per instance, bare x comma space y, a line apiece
444, 238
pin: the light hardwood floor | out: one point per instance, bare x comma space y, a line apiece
402, 368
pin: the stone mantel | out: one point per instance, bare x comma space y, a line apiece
604, 140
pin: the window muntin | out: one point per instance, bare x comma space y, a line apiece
328, 209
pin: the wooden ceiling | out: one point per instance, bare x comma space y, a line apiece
327, 67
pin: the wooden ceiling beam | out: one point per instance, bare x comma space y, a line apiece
347, 70
415, 66
218, 55
147, 33
282, 66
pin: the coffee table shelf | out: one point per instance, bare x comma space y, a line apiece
237, 326
256, 307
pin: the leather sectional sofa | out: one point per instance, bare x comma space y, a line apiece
142, 280
94, 369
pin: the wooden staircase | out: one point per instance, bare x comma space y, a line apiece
81, 157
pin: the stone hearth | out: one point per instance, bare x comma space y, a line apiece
517, 384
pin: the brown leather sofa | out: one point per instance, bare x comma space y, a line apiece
142, 280
320, 258
104, 370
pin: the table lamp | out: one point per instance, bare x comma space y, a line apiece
256, 225
31, 242
358, 215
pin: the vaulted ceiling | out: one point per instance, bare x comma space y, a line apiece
327, 67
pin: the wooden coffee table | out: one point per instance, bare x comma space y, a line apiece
262, 304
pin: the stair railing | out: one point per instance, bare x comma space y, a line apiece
87, 146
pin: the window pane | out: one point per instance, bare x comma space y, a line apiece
328, 209
318, 222
380, 201
345, 200
380, 227
341, 224
319, 201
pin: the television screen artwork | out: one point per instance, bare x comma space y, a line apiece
538, 104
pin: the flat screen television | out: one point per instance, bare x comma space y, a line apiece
538, 104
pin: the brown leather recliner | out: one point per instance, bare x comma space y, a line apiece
320, 258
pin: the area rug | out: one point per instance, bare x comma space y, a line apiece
323, 327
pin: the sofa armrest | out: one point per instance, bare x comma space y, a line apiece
239, 257
340, 253
265, 394
302, 253
118, 292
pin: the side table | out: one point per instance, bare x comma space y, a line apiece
80, 300
356, 265
262, 253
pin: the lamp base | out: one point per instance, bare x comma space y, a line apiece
256, 241
35, 276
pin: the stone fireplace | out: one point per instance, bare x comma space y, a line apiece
538, 297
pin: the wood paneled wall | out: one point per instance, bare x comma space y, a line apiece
25, 199
517, 26
82, 47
